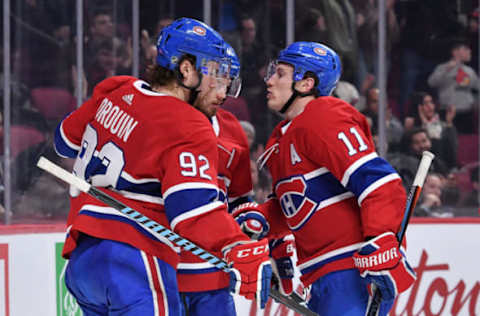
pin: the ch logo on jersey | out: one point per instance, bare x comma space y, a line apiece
296, 206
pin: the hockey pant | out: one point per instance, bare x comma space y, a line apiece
217, 302
342, 293
115, 279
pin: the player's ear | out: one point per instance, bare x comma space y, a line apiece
186, 69
305, 85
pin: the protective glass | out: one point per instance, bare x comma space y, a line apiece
271, 70
235, 87
219, 71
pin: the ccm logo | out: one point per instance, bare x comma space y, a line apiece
255, 251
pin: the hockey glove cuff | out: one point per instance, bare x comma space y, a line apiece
381, 262
281, 251
251, 271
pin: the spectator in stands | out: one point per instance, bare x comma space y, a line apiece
425, 28
347, 92
472, 199
394, 128
340, 31
249, 130
455, 82
110, 59
414, 143
442, 133
430, 202
238, 107
472, 37
367, 30
101, 30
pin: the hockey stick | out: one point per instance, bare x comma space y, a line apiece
413, 195
156, 228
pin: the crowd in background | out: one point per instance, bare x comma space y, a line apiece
432, 87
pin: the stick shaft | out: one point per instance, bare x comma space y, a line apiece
157, 228
412, 198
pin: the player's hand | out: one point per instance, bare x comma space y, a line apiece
381, 262
281, 251
251, 271
251, 220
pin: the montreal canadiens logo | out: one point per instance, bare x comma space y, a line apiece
296, 205
199, 30
320, 51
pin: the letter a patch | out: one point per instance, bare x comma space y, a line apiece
294, 157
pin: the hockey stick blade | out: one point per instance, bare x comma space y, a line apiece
373, 308
157, 228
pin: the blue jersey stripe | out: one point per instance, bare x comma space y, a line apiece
183, 201
368, 173
320, 264
197, 271
62, 147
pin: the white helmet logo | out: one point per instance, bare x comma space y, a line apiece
199, 30
320, 51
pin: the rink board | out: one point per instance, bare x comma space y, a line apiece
445, 254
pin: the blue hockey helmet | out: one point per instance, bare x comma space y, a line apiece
236, 81
316, 58
189, 36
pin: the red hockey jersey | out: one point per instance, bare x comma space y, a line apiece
154, 153
330, 185
235, 183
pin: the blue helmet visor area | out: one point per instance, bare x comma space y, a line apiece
217, 71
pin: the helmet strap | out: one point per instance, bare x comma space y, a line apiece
294, 95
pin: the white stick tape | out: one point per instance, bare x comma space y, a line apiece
47, 165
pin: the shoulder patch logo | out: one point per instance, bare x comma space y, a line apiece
128, 98
294, 157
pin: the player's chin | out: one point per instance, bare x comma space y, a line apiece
212, 110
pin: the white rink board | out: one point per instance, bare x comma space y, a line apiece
446, 254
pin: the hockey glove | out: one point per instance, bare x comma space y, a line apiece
281, 251
381, 262
251, 271
251, 220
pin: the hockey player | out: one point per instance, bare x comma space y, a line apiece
147, 147
342, 202
203, 288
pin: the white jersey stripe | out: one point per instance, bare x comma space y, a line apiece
375, 185
187, 186
195, 212
354, 166
195, 266
114, 212
67, 141
330, 254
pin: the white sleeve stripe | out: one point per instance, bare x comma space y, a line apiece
189, 185
330, 254
129, 178
354, 166
195, 266
376, 185
195, 212
67, 141
112, 211
315, 173
334, 199
141, 197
